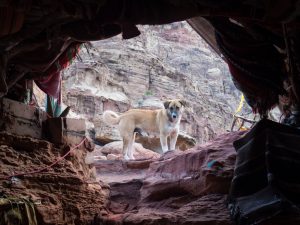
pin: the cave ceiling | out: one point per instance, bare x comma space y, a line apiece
258, 39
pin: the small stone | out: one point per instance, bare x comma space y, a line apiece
100, 157
112, 157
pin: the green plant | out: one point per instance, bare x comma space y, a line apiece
53, 109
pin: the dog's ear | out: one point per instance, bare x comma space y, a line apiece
166, 104
183, 103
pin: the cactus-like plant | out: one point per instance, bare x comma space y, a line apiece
54, 110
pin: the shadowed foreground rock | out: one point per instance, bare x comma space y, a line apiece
187, 187
178, 188
61, 195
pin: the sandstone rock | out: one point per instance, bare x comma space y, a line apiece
184, 142
139, 151
119, 171
214, 72
105, 133
205, 169
64, 193
113, 157
91, 159
97, 150
121, 197
183, 210
183, 188
95, 155
187, 187
100, 157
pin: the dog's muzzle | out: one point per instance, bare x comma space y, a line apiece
174, 116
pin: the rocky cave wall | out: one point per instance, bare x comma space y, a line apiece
63, 194
169, 61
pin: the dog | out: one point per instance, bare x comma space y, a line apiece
164, 122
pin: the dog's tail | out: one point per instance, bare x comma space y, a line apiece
111, 118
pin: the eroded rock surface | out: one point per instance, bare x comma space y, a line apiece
64, 194
178, 188
139, 152
187, 187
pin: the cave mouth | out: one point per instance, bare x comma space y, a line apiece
89, 180
163, 62
60, 164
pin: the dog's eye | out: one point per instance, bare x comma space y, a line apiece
171, 108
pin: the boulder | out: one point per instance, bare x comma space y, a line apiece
105, 133
139, 152
113, 157
95, 155
184, 142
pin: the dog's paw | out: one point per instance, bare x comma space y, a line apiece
126, 157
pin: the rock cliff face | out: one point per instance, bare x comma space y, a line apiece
169, 61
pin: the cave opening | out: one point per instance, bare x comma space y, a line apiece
221, 79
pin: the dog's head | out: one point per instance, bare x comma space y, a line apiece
174, 109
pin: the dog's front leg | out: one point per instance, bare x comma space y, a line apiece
164, 143
125, 148
173, 140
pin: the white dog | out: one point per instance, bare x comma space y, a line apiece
163, 121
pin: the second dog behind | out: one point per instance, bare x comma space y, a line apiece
164, 122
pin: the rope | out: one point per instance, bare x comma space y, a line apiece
46, 167
240, 105
236, 118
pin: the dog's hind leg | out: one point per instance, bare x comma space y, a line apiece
125, 148
131, 146
130, 137
128, 141
126, 128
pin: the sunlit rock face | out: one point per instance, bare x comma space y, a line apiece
164, 62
